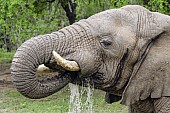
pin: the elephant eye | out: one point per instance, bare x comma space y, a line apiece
105, 42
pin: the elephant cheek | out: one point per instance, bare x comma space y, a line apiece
88, 64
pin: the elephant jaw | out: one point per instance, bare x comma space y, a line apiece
72, 69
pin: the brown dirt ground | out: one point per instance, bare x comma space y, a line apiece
5, 79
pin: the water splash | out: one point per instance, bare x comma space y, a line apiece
75, 102
79, 103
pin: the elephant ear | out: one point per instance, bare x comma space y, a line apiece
149, 28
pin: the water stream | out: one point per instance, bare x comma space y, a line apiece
81, 99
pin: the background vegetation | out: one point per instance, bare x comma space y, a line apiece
13, 102
23, 19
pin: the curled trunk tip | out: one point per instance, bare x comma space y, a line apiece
43, 69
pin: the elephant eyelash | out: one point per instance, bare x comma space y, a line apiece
105, 42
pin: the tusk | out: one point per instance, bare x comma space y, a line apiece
43, 69
66, 64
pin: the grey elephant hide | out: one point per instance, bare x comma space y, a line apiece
151, 75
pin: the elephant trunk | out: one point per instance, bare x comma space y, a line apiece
39, 50
32, 53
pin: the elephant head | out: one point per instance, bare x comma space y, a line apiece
108, 47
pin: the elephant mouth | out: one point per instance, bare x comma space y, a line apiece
94, 80
72, 70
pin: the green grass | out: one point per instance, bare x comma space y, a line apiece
6, 56
13, 102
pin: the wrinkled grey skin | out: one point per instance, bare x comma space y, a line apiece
125, 52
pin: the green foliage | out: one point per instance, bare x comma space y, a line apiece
23, 19
87, 8
6, 56
120, 3
161, 6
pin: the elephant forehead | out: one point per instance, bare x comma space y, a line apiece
125, 36
105, 14
105, 20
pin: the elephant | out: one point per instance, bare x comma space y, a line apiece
124, 52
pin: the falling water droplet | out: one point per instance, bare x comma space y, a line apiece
74, 106
77, 104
